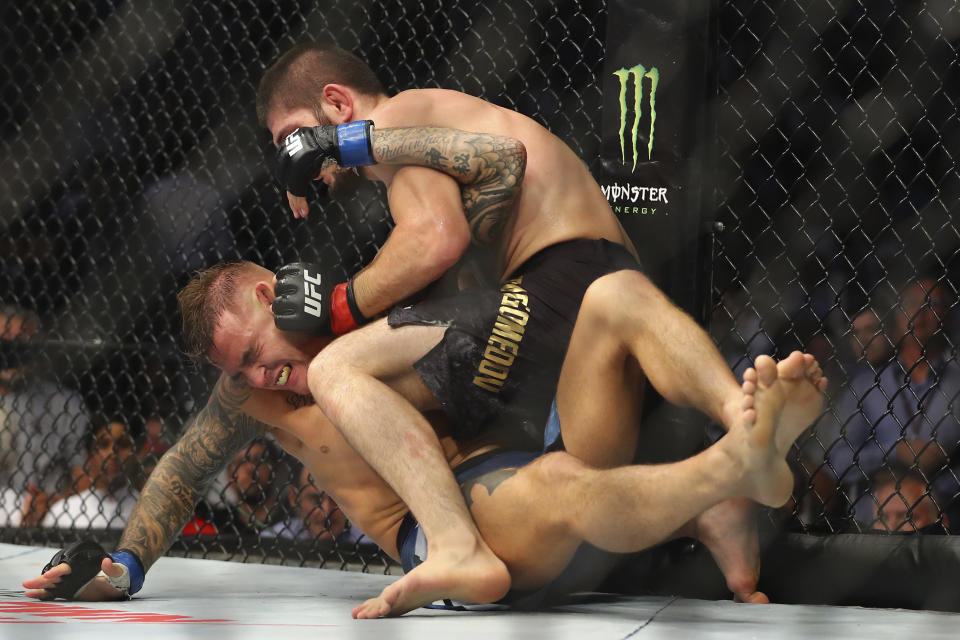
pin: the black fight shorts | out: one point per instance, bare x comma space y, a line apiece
499, 360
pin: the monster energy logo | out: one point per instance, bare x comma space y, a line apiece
635, 76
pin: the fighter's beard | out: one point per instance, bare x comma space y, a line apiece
346, 184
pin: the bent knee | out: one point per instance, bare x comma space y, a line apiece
559, 468
612, 288
616, 298
563, 481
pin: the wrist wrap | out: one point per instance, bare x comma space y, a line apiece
342, 318
354, 144
358, 316
133, 580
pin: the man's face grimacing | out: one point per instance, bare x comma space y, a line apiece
248, 346
341, 183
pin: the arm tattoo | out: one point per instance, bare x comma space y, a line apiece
490, 169
171, 493
490, 480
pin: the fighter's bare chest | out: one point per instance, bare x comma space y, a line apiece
295, 420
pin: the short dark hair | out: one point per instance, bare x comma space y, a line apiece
297, 78
202, 301
100, 421
897, 473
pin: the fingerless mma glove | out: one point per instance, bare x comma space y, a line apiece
85, 558
301, 156
306, 300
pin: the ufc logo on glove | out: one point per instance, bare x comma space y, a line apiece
305, 301
313, 300
293, 144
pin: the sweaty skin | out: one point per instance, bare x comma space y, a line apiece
559, 199
436, 219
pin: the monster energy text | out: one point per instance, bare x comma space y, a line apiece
634, 76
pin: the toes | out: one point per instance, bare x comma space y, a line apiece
748, 401
756, 597
748, 388
750, 416
750, 375
766, 370
373, 608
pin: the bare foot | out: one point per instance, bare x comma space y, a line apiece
803, 382
767, 476
779, 402
482, 578
729, 531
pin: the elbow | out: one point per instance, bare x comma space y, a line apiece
444, 247
440, 243
520, 154
514, 167
319, 373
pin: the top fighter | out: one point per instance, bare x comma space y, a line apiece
502, 354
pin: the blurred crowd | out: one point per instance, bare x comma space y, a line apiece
885, 454
65, 466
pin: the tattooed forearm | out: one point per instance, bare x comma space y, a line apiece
170, 495
489, 167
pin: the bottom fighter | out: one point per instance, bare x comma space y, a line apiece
533, 511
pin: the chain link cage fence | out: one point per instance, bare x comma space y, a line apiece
837, 236
131, 157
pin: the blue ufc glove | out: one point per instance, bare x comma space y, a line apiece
302, 154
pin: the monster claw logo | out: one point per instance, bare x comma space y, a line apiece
634, 76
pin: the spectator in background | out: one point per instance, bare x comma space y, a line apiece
148, 448
868, 339
154, 441
865, 349
256, 479
909, 411
904, 503
105, 497
314, 515
740, 332
41, 430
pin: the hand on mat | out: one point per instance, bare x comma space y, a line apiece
97, 590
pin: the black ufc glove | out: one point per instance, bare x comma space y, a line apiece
84, 558
307, 300
302, 154
302, 301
